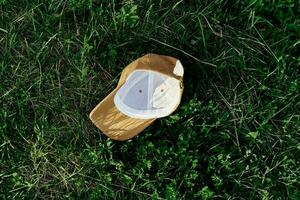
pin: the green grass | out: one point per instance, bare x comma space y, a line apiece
236, 134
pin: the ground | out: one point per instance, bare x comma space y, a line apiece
235, 135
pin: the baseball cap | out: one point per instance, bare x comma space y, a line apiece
149, 88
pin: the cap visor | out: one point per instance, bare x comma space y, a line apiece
115, 124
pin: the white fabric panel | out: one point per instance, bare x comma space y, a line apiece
147, 94
137, 96
178, 69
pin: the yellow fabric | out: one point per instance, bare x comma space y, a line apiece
110, 120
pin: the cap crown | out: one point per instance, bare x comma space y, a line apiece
148, 94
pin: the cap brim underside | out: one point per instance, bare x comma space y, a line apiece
115, 124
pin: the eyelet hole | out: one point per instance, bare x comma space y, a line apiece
140, 91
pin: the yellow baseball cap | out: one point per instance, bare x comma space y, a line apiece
149, 88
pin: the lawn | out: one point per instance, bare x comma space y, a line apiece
235, 135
